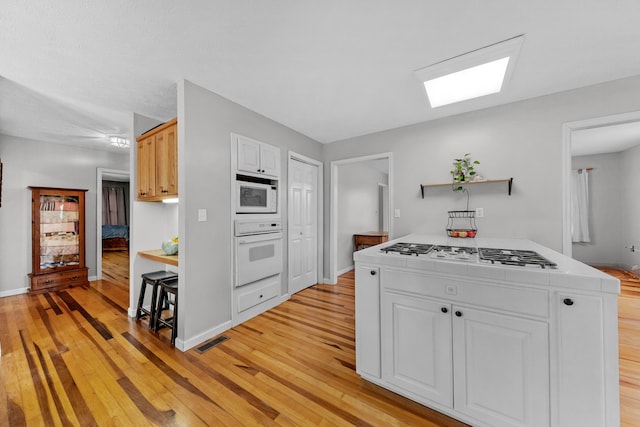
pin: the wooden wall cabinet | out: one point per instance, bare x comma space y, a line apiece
58, 239
157, 172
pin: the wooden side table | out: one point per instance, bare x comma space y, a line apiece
369, 238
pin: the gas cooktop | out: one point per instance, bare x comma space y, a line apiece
511, 257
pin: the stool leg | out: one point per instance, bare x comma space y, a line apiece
159, 305
174, 326
143, 287
153, 309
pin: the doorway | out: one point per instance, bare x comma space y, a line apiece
605, 150
304, 222
340, 242
122, 179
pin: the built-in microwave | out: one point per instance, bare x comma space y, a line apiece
256, 197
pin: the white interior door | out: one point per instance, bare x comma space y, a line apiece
303, 225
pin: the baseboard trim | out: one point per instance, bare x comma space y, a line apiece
202, 337
13, 292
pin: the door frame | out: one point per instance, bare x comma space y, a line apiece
567, 132
333, 224
113, 175
293, 156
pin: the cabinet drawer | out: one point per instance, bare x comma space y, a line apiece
59, 279
509, 298
254, 296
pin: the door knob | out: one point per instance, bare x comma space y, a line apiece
444, 309
373, 272
458, 313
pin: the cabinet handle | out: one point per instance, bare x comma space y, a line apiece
373, 272
46, 282
567, 301
75, 277
142, 193
261, 295
165, 191
444, 309
458, 313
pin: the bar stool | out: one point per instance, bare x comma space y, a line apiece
169, 286
152, 279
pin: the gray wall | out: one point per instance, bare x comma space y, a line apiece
605, 210
630, 201
521, 140
33, 163
358, 206
205, 123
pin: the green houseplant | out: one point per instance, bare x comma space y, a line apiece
463, 170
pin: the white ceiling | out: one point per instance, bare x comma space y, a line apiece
74, 71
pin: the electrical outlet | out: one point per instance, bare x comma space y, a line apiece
479, 212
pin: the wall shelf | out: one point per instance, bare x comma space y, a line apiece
509, 182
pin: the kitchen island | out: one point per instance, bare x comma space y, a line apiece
493, 332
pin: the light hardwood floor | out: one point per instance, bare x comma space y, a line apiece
74, 358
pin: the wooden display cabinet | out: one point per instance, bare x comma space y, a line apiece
157, 172
58, 239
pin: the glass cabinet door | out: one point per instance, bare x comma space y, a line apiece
59, 231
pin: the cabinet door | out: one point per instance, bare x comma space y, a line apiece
416, 346
248, 155
586, 360
146, 168
368, 320
167, 162
501, 366
269, 160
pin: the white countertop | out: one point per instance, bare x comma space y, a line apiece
568, 274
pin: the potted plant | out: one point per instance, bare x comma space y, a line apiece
463, 170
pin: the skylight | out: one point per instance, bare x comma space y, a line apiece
471, 75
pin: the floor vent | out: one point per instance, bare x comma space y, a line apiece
209, 345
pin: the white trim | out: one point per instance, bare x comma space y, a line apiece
346, 270
292, 155
103, 173
567, 132
13, 292
202, 337
333, 224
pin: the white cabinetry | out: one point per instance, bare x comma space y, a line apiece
501, 368
494, 367
368, 320
417, 346
258, 158
586, 343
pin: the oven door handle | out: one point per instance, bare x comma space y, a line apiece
259, 238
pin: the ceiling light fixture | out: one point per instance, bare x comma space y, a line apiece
119, 142
471, 75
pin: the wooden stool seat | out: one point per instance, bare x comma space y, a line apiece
167, 287
152, 279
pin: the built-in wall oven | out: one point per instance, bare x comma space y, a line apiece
258, 250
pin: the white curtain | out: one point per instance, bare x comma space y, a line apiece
580, 206
114, 211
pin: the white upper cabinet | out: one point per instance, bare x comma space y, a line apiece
258, 158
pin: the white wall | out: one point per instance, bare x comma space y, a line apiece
34, 163
605, 213
630, 206
522, 140
205, 123
358, 206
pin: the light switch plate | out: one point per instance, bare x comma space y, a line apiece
397, 213
202, 215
